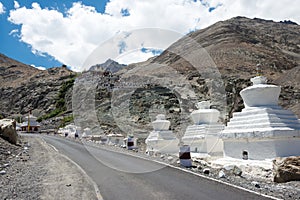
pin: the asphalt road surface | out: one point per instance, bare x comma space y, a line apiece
113, 173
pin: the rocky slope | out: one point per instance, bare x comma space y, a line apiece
213, 64
24, 88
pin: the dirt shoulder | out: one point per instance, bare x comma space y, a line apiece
38, 171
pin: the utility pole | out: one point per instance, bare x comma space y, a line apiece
28, 121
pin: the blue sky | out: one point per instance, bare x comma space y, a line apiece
51, 33
13, 48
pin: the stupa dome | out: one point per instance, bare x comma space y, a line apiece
260, 93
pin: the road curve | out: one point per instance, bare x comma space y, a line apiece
111, 172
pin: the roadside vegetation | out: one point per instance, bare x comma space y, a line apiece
60, 106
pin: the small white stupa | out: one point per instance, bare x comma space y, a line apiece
161, 139
70, 131
203, 136
263, 130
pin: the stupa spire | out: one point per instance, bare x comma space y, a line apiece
259, 70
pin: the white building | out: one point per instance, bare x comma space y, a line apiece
263, 130
30, 124
204, 135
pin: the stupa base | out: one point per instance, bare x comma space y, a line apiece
204, 139
263, 148
162, 142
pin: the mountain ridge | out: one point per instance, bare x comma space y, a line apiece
108, 65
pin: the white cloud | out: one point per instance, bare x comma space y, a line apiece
136, 56
39, 67
133, 42
71, 37
14, 32
2, 9
16, 5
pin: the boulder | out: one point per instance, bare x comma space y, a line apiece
286, 169
8, 130
232, 170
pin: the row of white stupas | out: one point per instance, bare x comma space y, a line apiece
262, 130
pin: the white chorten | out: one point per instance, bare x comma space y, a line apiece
70, 131
203, 136
161, 139
263, 130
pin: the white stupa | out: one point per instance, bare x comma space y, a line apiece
70, 131
203, 136
263, 130
161, 139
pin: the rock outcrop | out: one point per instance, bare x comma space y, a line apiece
286, 169
8, 130
24, 88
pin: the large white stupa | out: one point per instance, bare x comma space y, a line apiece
263, 130
203, 135
161, 139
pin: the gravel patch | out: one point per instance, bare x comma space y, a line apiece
24, 174
37, 171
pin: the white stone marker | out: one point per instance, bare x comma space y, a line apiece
185, 156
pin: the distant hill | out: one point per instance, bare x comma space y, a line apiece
109, 65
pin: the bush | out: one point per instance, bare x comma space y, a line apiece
66, 120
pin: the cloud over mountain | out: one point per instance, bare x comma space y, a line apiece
71, 35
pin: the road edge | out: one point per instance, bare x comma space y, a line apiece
194, 173
96, 188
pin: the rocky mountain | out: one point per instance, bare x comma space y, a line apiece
24, 88
236, 46
109, 65
214, 64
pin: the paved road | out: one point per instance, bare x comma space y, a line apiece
153, 181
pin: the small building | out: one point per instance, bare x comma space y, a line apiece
30, 124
